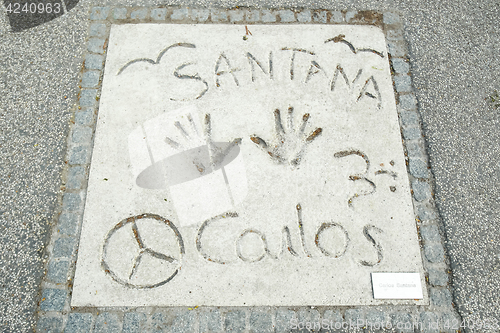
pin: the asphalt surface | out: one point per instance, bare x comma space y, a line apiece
454, 54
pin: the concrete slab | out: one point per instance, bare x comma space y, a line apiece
242, 167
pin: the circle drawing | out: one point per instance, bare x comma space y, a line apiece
143, 251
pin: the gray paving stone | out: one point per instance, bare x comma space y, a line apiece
350, 15
391, 18
304, 16
375, 321
236, 15
88, 97
71, 202
63, 247
309, 320
58, 271
394, 35
400, 65
184, 322
107, 323
79, 155
134, 322
429, 322
99, 13
421, 190
412, 133
320, 16
84, 117
97, 30
402, 322
430, 233
218, 15
96, 45
337, 17
68, 223
283, 320
425, 213
82, 134
159, 323
180, 14
253, 15
286, 15
403, 83
438, 277
93, 61
450, 322
355, 319
200, 15
409, 118
413, 148
434, 252
76, 176
261, 322
49, 325
120, 13
407, 102
331, 322
53, 299
268, 16
418, 168
78, 323
139, 14
90, 79
235, 321
159, 14
440, 297
396, 49
210, 321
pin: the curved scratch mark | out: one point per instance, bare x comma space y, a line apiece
157, 61
340, 39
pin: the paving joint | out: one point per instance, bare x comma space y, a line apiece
55, 313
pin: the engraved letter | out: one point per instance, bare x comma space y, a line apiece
367, 230
229, 70
190, 77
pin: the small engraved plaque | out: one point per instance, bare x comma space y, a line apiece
397, 286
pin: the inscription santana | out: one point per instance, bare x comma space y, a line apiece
359, 84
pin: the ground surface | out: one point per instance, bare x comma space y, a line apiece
454, 49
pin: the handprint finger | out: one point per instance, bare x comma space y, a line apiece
191, 121
314, 134
279, 127
305, 118
181, 129
260, 142
290, 119
172, 143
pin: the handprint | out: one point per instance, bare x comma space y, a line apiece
291, 142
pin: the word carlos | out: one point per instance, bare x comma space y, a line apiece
213, 254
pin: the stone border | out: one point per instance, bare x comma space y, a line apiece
54, 311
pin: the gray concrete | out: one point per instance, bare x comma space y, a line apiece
140, 105
454, 49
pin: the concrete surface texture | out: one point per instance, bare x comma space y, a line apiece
277, 147
454, 49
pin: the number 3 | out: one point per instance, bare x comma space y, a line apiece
57, 8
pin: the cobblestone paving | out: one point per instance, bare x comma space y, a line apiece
55, 313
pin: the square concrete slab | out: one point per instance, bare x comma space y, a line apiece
245, 167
